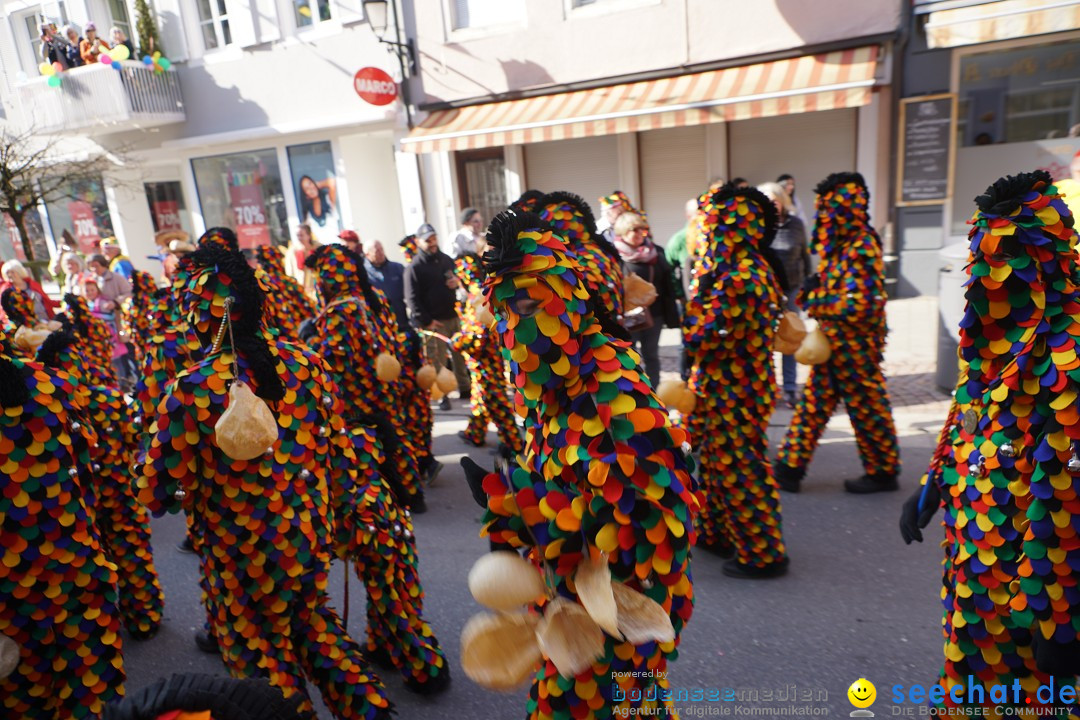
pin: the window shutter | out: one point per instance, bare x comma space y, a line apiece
672, 172
242, 22
171, 29
267, 26
347, 11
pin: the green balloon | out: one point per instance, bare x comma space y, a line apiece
54, 81
164, 63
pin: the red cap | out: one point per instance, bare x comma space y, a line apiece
349, 235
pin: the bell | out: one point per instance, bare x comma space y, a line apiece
774, 306
180, 494
1007, 450
73, 472
97, 467
723, 332
408, 534
324, 431
76, 426
397, 528
407, 514
305, 474
328, 400
371, 529
646, 583
1074, 465
269, 451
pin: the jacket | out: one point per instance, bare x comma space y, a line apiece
390, 278
791, 245
664, 310
114, 286
426, 292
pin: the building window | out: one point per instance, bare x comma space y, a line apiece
481, 178
167, 208
214, 23
311, 12
79, 215
243, 191
315, 185
1020, 94
485, 13
120, 18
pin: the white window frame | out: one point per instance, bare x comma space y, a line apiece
216, 19
572, 10
316, 22
452, 34
128, 7
26, 47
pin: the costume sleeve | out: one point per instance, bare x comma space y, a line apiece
412, 297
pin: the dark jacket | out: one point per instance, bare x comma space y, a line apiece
426, 292
71, 52
390, 278
664, 310
791, 245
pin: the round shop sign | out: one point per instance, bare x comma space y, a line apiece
375, 86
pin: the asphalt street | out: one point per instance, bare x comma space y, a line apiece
856, 603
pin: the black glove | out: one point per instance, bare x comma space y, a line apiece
306, 330
1055, 658
474, 475
912, 520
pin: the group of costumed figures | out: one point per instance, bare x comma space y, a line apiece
291, 432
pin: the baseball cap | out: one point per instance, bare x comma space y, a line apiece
109, 241
424, 232
349, 235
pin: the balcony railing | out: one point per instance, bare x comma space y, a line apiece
97, 99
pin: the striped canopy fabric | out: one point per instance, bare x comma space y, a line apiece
840, 79
1003, 20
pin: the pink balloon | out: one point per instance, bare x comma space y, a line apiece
58, 67
104, 59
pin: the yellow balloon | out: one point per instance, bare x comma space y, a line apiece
120, 52
46, 69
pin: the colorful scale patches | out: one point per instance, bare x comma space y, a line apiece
848, 303
603, 468
572, 221
58, 599
728, 333
287, 305
95, 338
123, 524
482, 350
375, 532
136, 313
262, 527
1005, 466
18, 308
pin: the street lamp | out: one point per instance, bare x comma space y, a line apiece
377, 13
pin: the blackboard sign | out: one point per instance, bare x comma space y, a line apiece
927, 143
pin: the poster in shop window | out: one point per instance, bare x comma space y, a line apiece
312, 169
167, 215
16, 248
249, 209
86, 227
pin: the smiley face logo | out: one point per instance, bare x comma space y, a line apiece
862, 693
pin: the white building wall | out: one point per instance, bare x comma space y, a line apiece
373, 191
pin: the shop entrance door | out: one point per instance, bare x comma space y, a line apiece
482, 181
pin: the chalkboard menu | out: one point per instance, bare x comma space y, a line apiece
927, 139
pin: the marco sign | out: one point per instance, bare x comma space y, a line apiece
375, 86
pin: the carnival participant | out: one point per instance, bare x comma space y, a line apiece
600, 448
847, 298
261, 526
1006, 468
287, 305
728, 334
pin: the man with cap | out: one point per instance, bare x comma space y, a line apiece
350, 239
431, 293
118, 262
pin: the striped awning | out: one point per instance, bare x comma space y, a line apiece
840, 79
1002, 20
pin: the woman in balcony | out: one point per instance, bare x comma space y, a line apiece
120, 38
92, 46
71, 50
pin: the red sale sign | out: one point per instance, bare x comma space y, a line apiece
167, 215
250, 211
86, 228
375, 86
16, 241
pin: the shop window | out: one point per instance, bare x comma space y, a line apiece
167, 208
79, 215
485, 13
482, 181
243, 191
311, 12
315, 185
214, 23
1020, 94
